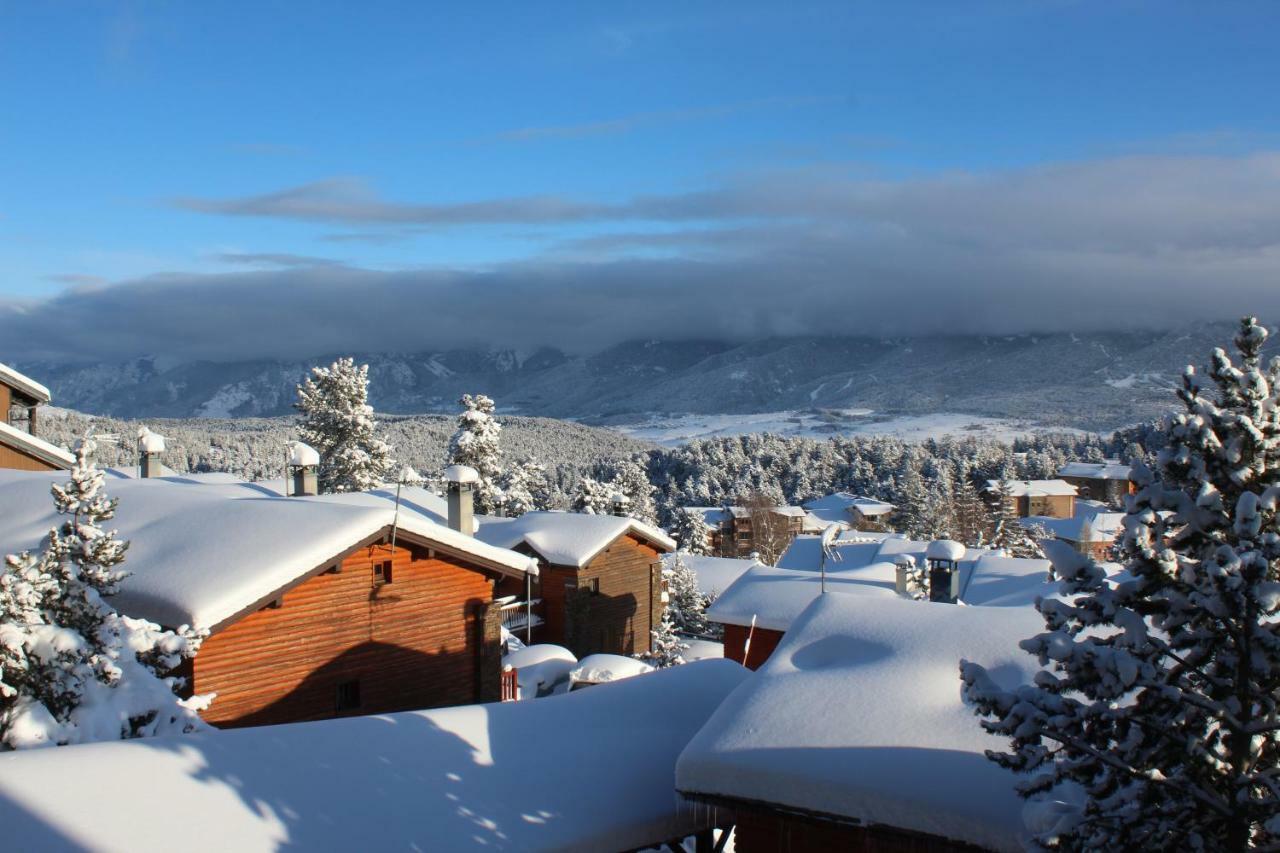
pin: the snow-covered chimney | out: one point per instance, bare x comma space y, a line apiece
304, 470
461, 482
904, 565
944, 556
618, 504
150, 449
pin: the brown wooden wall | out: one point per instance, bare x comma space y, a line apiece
618, 618
761, 831
6, 399
420, 641
763, 642
11, 457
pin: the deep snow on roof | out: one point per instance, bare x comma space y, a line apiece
885, 737
35, 446
567, 538
23, 383
591, 770
775, 597
203, 549
1111, 469
1033, 488
834, 508
715, 574
1101, 522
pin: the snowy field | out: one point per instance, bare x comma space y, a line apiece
677, 429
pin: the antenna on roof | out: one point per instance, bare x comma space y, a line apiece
829, 551
406, 477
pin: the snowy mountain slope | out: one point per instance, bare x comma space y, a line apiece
1085, 380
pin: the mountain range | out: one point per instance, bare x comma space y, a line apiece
1087, 380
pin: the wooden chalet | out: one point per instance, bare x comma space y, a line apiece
316, 606
20, 446
1107, 481
599, 581
1049, 498
733, 528
854, 735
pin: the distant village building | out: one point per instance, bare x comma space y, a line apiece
20, 446
317, 606
1051, 498
1106, 481
1092, 529
855, 736
734, 530
599, 586
856, 511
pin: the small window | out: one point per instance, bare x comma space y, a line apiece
347, 696
382, 572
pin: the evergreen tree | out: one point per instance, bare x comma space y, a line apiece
630, 479
593, 497
1009, 534
476, 444
1159, 696
692, 532
72, 669
973, 522
686, 604
913, 517
338, 422
525, 488
666, 648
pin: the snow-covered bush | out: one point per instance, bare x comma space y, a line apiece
72, 669
1160, 695
338, 422
476, 444
692, 532
667, 648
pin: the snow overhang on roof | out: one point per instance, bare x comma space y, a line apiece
24, 384
1033, 488
204, 552
904, 750
37, 447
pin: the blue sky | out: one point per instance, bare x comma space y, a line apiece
256, 145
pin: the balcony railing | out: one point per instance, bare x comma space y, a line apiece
518, 614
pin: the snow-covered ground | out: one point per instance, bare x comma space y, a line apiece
672, 430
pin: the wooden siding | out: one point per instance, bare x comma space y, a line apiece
760, 830
763, 642
617, 617
11, 457
420, 641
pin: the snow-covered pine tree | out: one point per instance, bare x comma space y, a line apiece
476, 444
667, 648
72, 669
1009, 534
525, 488
338, 422
687, 606
630, 478
691, 532
1160, 695
972, 521
593, 497
912, 502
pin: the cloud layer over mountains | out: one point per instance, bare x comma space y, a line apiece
1147, 242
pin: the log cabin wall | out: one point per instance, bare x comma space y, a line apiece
763, 642
615, 605
347, 643
6, 400
11, 457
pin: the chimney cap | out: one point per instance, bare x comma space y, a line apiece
303, 455
461, 474
150, 442
904, 560
945, 549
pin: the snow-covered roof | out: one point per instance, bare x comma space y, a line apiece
501, 776
1033, 488
28, 386
34, 446
716, 573
714, 516
866, 567
568, 538
303, 455
858, 715
1111, 469
203, 551
836, 507
603, 668
540, 666
460, 474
